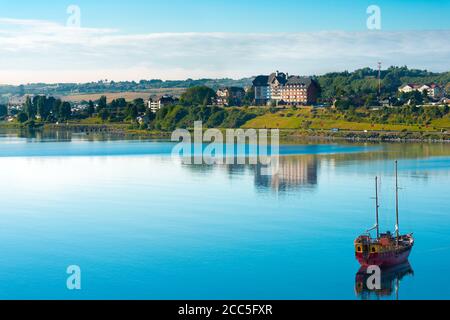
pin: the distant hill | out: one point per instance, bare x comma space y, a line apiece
63, 89
365, 81
362, 82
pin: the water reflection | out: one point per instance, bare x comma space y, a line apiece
77, 133
390, 282
294, 173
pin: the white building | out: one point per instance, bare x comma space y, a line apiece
156, 104
433, 90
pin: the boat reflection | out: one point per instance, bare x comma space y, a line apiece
390, 282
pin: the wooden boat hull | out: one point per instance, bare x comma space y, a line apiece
384, 259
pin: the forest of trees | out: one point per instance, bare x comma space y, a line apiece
348, 90
52, 110
48, 109
122, 86
194, 105
407, 115
362, 82
360, 88
177, 116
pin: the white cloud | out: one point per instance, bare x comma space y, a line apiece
42, 51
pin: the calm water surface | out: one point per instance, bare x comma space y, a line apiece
144, 226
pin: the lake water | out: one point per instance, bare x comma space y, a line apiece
142, 225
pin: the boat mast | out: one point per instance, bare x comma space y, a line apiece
397, 231
377, 206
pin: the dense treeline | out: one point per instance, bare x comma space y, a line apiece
195, 105
361, 88
364, 82
407, 115
47, 109
51, 110
177, 116
3, 111
122, 86
353, 93
120, 110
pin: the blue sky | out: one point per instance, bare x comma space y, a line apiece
236, 15
177, 39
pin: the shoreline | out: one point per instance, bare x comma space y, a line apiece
286, 135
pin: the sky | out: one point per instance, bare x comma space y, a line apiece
43, 41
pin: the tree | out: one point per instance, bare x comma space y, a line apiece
131, 111
90, 108
371, 100
3, 110
104, 114
200, 95
43, 106
343, 104
29, 108
416, 98
216, 119
249, 97
57, 108
66, 111
50, 107
102, 103
118, 104
140, 105
22, 117
446, 109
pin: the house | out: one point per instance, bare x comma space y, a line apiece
433, 90
276, 83
410, 87
269, 88
300, 91
155, 104
143, 120
230, 95
262, 90
17, 100
280, 88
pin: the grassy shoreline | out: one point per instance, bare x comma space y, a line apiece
286, 135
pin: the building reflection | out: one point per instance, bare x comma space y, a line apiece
294, 172
390, 282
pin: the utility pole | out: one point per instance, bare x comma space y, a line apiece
377, 206
379, 79
397, 231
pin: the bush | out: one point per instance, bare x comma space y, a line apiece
22, 117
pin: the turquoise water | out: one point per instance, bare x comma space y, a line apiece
142, 225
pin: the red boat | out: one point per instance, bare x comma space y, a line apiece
386, 249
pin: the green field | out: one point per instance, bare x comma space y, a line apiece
306, 118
